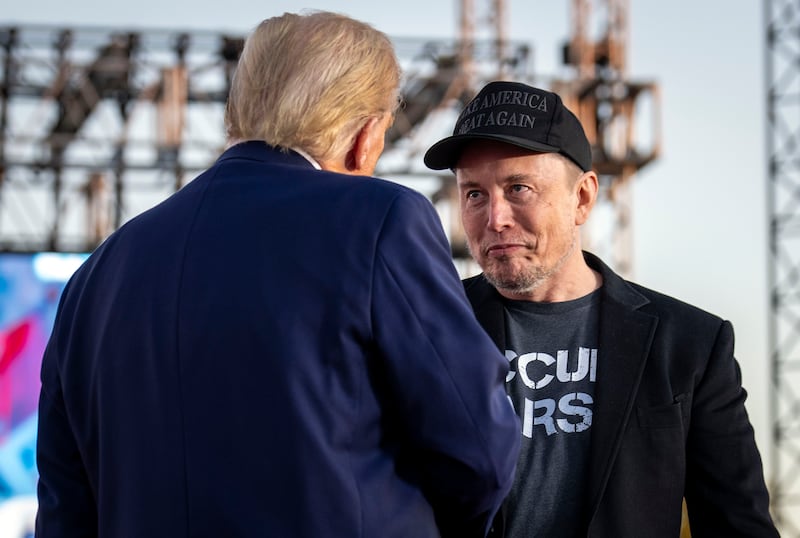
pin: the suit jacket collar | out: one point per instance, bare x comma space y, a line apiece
258, 150
626, 334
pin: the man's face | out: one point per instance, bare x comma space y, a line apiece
519, 214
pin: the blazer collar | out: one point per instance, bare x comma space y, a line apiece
257, 150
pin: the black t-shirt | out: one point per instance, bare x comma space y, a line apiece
552, 348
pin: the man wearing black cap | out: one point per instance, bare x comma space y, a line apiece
630, 400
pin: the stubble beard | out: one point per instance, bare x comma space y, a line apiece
501, 274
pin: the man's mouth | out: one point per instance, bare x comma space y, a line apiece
503, 249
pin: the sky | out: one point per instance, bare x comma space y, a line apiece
699, 211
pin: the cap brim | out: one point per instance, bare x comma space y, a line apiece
445, 153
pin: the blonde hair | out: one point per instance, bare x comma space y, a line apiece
310, 82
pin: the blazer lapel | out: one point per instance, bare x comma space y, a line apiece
488, 308
626, 335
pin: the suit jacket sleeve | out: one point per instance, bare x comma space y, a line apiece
446, 376
66, 499
725, 490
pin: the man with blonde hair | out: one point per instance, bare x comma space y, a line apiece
282, 348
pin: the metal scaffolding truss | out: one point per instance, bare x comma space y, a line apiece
782, 18
97, 125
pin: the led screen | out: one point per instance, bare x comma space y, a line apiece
30, 287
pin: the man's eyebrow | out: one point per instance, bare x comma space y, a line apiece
505, 181
516, 177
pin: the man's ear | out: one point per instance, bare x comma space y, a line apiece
357, 157
586, 195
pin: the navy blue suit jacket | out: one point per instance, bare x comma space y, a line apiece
669, 419
273, 351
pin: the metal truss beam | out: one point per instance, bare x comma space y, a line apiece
782, 18
97, 125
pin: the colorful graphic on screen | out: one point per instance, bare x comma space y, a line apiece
30, 287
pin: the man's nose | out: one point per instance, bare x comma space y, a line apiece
500, 215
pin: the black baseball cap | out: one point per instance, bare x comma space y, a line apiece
517, 114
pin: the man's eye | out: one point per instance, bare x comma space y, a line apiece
519, 188
471, 195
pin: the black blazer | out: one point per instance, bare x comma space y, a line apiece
669, 423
